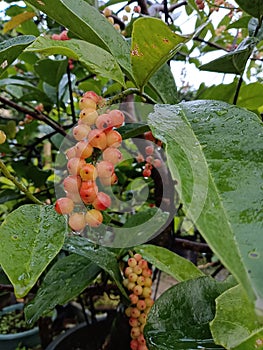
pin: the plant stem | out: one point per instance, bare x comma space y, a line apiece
237, 90
131, 91
21, 187
71, 96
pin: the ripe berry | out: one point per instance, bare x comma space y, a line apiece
80, 132
141, 305
93, 218
105, 169
107, 12
149, 136
74, 165
88, 193
135, 312
137, 257
132, 277
112, 155
128, 270
133, 322
134, 299
83, 149
141, 340
64, 205
77, 221
141, 280
64, 35
149, 150
137, 290
114, 138
117, 118
71, 153
146, 173
97, 138
143, 264
72, 183
102, 201
157, 163
104, 122
137, 269
134, 344
55, 36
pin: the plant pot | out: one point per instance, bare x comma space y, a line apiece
28, 338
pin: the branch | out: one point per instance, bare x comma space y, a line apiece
20, 186
36, 115
191, 245
209, 43
128, 92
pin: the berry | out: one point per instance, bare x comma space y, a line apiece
83, 149
107, 12
149, 150
141, 305
135, 332
132, 277
77, 221
114, 138
74, 165
107, 181
92, 96
134, 299
72, 183
64, 205
137, 257
2, 137
86, 102
105, 169
127, 8
146, 292
112, 155
88, 116
71, 153
102, 201
137, 290
135, 312
132, 262
88, 193
93, 218
157, 163
88, 172
146, 173
80, 132
149, 136
134, 322
97, 138
134, 344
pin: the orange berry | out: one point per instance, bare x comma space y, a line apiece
97, 138
74, 165
104, 122
102, 201
141, 305
93, 218
137, 257
88, 172
114, 138
83, 149
138, 290
92, 95
137, 269
112, 155
88, 116
117, 117
132, 277
135, 332
135, 312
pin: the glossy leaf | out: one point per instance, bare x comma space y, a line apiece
74, 273
99, 255
51, 71
11, 49
179, 318
153, 44
235, 325
94, 58
233, 62
165, 260
163, 83
215, 153
17, 20
253, 8
30, 237
87, 23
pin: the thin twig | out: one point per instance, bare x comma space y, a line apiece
237, 90
71, 96
20, 186
128, 92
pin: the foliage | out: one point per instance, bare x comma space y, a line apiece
209, 185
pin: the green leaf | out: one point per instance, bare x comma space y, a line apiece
11, 49
153, 44
222, 92
215, 154
179, 319
99, 255
163, 83
132, 130
94, 58
51, 71
250, 96
165, 260
254, 8
233, 62
240, 23
74, 273
235, 325
30, 237
87, 23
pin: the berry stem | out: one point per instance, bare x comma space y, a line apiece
131, 91
21, 187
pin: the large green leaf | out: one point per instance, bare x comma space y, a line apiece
179, 319
163, 83
74, 273
235, 325
30, 237
233, 62
253, 8
96, 59
250, 96
215, 152
51, 71
87, 23
11, 49
99, 255
153, 44
165, 260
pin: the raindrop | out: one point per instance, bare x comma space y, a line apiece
253, 254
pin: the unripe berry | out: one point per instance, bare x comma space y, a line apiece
146, 292
128, 311
112, 155
135, 312
80, 132
97, 138
137, 269
137, 290
107, 12
125, 282
142, 318
117, 27
93, 218
135, 332
77, 221
102, 201
64, 205
133, 322
104, 122
147, 282
2, 137
149, 302
72, 183
86, 102
131, 285
128, 270
74, 165
132, 277
141, 305
88, 116
114, 138
83, 149
140, 280
105, 169
132, 262
127, 8
111, 20
88, 172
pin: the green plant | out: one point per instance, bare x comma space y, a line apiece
203, 179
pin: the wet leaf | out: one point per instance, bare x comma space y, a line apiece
235, 325
74, 273
215, 153
93, 57
30, 237
165, 260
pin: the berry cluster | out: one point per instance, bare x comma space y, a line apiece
149, 160
138, 281
108, 14
96, 138
63, 36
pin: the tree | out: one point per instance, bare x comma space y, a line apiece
192, 168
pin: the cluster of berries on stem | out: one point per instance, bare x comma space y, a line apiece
138, 282
91, 163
